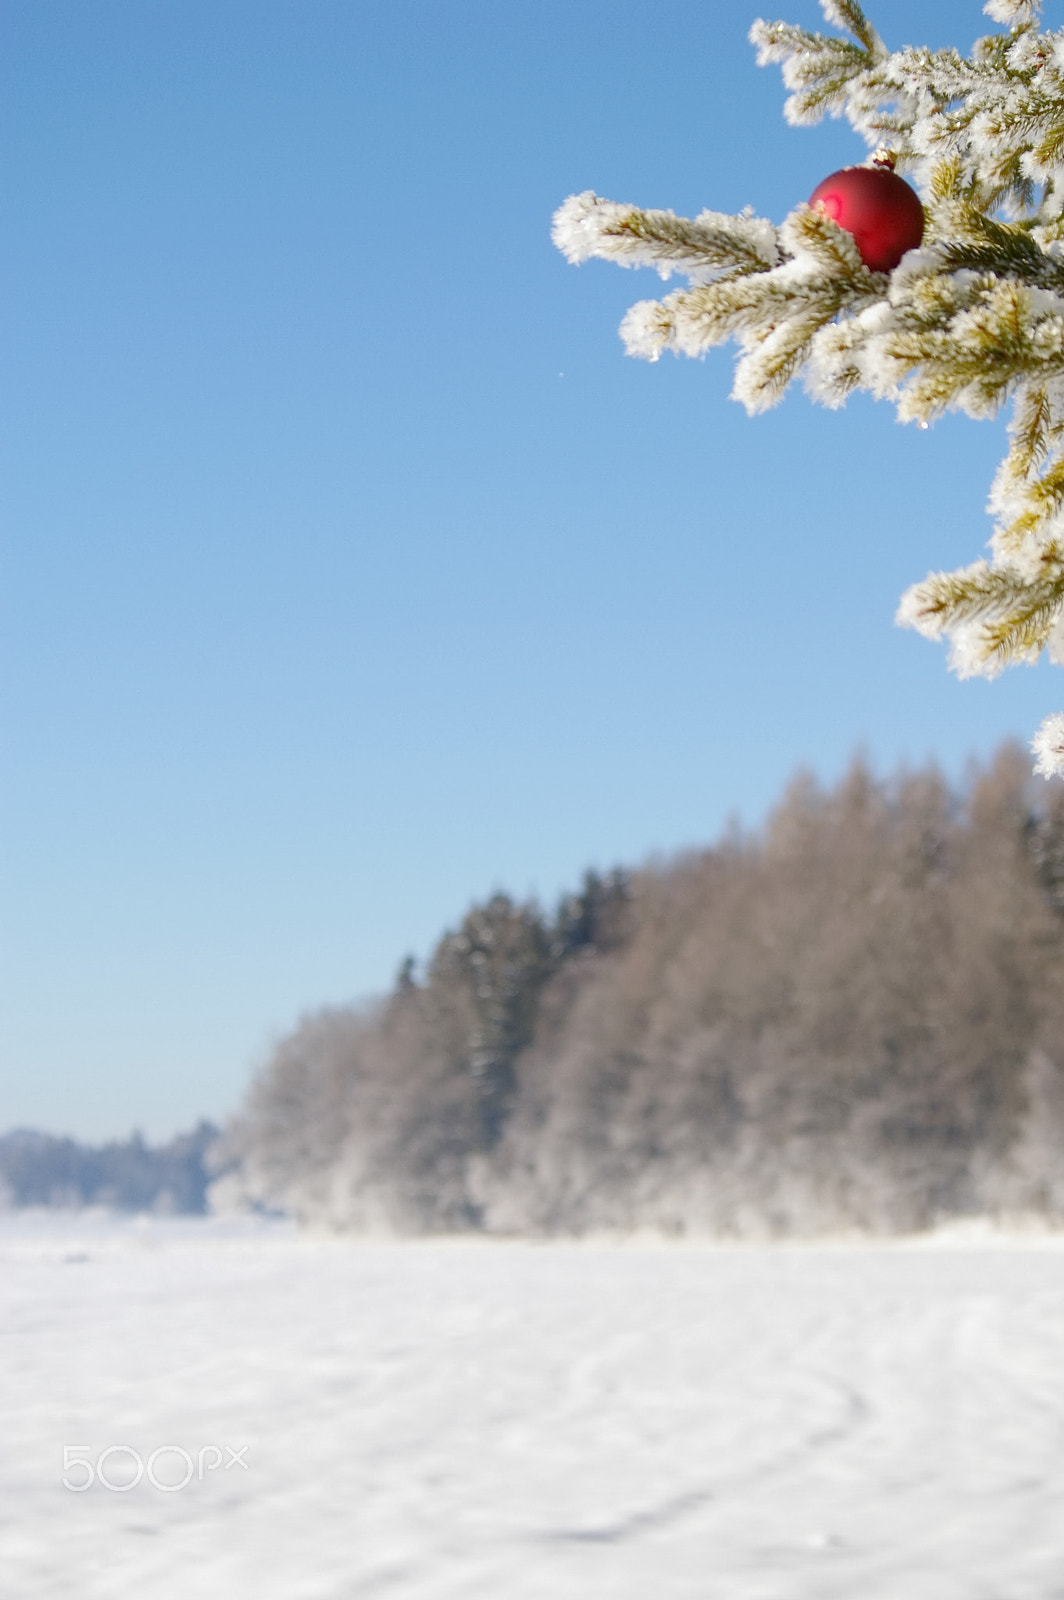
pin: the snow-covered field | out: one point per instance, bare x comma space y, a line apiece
526, 1421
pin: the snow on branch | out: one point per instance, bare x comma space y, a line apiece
970, 320
586, 226
991, 618
776, 327
1048, 747
1014, 13
821, 71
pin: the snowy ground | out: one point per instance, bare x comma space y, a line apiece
527, 1421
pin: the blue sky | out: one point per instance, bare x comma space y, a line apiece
349, 570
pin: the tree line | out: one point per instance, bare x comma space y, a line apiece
40, 1169
850, 1018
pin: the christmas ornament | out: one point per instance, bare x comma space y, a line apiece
878, 208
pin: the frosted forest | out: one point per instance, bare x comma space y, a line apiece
852, 1018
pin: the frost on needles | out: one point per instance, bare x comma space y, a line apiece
971, 320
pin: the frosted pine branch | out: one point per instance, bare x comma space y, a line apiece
586, 226
848, 14
971, 321
989, 616
943, 597
1048, 747
775, 326
1000, 111
1019, 12
822, 72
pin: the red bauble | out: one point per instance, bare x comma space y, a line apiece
879, 208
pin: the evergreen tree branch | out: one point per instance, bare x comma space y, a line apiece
587, 226
848, 14
992, 617
970, 321
972, 358
1020, 13
968, 240
820, 70
1040, 503
1034, 429
1048, 747
775, 325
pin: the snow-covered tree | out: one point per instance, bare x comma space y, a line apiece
969, 319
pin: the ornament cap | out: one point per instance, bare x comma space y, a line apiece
884, 158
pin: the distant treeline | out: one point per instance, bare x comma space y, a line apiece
853, 1018
37, 1169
